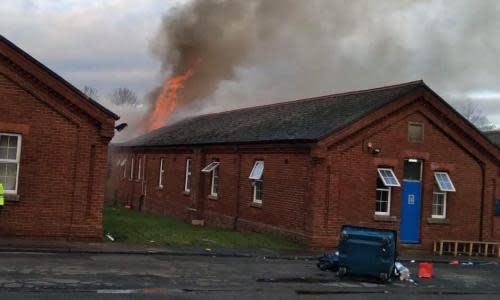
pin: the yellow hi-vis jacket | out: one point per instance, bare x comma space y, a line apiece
2, 200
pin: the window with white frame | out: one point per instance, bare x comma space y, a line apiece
161, 173
10, 155
438, 204
443, 186
444, 182
388, 177
139, 169
383, 199
123, 164
187, 182
213, 168
257, 179
132, 163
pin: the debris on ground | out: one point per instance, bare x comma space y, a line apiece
110, 237
401, 272
329, 261
425, 270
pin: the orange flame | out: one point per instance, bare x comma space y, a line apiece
167, 100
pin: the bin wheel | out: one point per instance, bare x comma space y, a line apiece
342, 271
384, 277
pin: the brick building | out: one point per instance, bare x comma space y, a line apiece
53, 152
395, 157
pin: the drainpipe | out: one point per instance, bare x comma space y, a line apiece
235, 224
483, 173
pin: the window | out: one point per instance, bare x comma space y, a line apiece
187, 182
415, 132
383, 199
444, 182
132, 169
257, 170
10, 155
214, 191
438, 204
388, 177
256, 176
123, 164
258, 191
139, 169
214, 186
161, 174
412, 170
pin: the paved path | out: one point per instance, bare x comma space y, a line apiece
104, 276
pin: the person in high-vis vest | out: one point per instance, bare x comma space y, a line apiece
2, 199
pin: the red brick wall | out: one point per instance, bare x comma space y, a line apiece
62, 167
350, 171
285, 184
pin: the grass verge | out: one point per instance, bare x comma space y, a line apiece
133, 227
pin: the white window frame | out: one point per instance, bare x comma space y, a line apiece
441, 188
188, 174
132, 163
162, 172
139, 168
255, 174
16, 161
255, 183
215, 174
445, 198
210, 167
124, 166
389, 193
380, 170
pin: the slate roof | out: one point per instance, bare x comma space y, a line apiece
305, 120
494, 136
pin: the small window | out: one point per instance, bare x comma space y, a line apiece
416, 132
438, 204
187, 182
444, 182
212, 166
383, 199
10, 156
161, 174
139, 169
124, 166
257, 170
258, 191
132, 163
214, 191
388, 177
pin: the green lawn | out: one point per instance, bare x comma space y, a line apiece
132, 227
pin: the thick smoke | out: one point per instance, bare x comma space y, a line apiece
259, 51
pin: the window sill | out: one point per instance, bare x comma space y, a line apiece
213, 197
437, 221
256, 205
186, 193
382, 218
11, 197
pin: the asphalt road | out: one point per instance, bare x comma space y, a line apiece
105, 276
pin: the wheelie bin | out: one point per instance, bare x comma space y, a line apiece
367, 252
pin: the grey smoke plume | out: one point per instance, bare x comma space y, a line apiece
259, 51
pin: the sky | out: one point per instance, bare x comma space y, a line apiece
295, 49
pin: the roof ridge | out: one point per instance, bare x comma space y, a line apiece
279, 103
57, 76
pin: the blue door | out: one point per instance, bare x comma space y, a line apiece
410, 212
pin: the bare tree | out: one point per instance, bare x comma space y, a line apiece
90, 92
123, 96
472, 112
